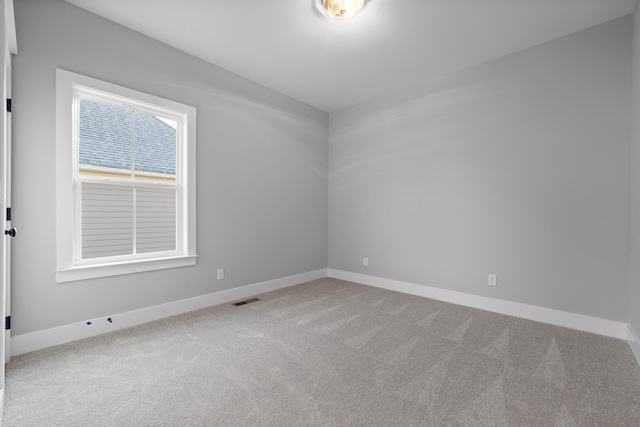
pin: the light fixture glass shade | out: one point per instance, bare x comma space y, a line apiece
342, 9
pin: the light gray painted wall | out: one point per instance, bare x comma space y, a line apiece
518, 167
634, 271
261, 169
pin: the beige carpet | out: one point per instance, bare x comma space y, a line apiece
330, 353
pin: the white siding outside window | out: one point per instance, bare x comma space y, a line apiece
155, 219
107, 220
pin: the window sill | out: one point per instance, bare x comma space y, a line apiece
116, 269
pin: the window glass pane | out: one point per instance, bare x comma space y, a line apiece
155, 220
107, 220
105, 136
155, 145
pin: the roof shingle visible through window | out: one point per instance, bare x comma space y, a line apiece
105, 139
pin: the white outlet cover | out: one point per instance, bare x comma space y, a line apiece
492, 280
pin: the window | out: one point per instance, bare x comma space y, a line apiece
125, 180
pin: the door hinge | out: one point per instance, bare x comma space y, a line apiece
9, 104
7, 322
8, 214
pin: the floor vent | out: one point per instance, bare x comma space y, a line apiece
238, 304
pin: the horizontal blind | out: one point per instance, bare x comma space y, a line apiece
155, 219
107, 220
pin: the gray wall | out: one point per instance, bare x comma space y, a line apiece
634, 272
518, 167
261, 169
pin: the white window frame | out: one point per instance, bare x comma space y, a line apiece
69, 87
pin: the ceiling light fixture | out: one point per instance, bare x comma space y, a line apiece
341, 9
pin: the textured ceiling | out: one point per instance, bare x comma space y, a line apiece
289, 46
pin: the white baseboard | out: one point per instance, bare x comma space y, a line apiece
62, 334
580, 322
634, 342
38, 340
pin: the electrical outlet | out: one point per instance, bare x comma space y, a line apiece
493, 280
365, 261
220, 273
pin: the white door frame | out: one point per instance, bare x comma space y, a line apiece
6, 79
8, 47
